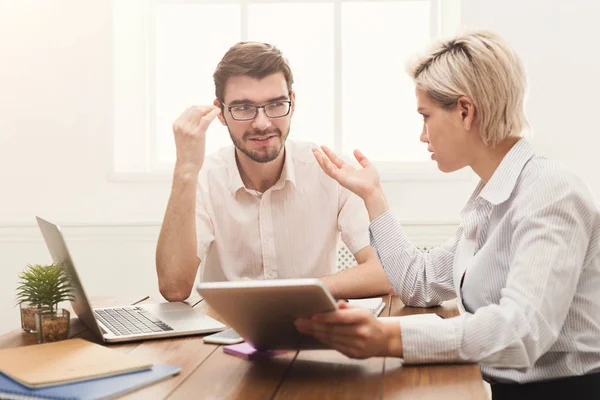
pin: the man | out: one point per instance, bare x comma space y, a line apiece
263, 208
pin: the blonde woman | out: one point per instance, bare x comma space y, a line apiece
524, 263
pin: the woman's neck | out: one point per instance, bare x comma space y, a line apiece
489, 158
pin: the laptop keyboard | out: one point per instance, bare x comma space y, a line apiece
130, 321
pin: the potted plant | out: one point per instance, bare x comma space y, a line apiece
42, 288
28, 296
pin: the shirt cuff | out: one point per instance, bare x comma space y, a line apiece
431, 341
387, 236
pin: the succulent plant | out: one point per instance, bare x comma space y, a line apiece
44, 286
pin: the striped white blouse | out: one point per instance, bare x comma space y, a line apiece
525, 266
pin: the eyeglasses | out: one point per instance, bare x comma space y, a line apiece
247, 112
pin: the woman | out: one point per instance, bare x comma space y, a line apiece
524, 263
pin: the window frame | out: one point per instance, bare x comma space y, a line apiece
445, 19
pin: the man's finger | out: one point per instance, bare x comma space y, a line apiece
196, 112
208, 118
188, 114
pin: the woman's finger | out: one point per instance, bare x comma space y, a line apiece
338, 162
361, 158
327, 166
348, 316
347, 346
336, 330
304, 326
309, 327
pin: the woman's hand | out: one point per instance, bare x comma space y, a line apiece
363, 181
354, 331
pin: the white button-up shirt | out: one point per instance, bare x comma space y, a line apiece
291, 231
528, 250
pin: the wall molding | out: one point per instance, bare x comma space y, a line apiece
31, 233
420, 233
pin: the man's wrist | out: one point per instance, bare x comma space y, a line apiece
185, 172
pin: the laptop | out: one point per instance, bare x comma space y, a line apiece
127, 323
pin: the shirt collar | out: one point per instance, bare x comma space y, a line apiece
288, 172
503, 181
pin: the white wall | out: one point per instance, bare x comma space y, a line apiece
56, 139
558, 41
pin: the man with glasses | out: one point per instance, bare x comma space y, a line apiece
262, 208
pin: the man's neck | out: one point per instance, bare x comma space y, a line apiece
261, 176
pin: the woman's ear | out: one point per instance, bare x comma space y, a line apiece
218, 103
467, 112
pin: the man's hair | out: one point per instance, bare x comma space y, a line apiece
482, 66
253, 59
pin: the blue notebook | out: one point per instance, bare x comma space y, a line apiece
102, 388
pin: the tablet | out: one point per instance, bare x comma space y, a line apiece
263, 312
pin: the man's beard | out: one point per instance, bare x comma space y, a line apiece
260, 156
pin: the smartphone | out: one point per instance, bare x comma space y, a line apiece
228, 336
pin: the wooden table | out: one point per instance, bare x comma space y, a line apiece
208, 373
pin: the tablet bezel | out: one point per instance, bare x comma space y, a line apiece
263, 311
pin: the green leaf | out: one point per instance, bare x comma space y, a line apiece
44, 285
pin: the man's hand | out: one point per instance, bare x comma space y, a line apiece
354, 331
190, 136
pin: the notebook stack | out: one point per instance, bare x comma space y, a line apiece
74, 369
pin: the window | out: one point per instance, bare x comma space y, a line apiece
348, 58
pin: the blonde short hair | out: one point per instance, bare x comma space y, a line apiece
482, 66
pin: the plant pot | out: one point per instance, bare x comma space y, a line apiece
28, 316
53, 326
